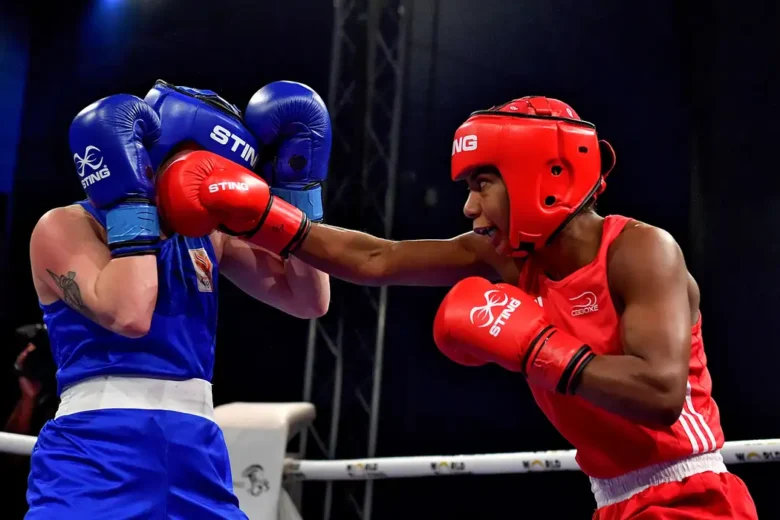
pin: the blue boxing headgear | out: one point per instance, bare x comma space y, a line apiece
190, 115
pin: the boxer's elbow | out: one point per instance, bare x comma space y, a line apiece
134, 318
132, 325
669, 397
669, 411
125, 295
131, 328
651, 394
321, 306
317, 308
652, 408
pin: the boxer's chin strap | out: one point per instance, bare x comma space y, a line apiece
591, 194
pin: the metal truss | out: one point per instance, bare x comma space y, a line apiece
343, 375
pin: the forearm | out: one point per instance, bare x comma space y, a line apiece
125, 294
627, 386
21, 418
309, 287
364, 259
346, 254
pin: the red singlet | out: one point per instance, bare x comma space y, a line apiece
607, 444
666, 472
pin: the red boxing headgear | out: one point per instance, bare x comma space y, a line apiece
552, 163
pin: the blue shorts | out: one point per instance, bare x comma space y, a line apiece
119, 464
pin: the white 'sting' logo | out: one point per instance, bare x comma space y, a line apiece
223, 136
228, 186
467, 143
93, 159
586, 303
484, 314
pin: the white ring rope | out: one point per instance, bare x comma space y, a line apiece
734, 452
16, 444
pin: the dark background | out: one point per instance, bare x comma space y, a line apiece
685, 91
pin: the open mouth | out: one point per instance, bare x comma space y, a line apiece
486, 231
493, 235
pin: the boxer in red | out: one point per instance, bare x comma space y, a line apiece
599, 315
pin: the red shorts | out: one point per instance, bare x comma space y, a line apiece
698, 497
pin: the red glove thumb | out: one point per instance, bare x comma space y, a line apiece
449, 314
449, 348
178, 195
504, 325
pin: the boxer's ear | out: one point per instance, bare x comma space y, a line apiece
608, 158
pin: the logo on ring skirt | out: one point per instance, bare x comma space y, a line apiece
258, 484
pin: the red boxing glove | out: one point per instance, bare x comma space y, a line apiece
504, 325
458, 355
201, 191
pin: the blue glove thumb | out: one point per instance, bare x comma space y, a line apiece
292, 122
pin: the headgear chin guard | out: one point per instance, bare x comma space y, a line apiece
552, 163
202, 117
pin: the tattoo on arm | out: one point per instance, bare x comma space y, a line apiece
71, 294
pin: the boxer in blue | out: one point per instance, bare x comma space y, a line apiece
132, 309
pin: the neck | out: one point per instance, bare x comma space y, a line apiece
575, 247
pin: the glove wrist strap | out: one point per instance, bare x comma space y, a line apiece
555, 360
281, 229
133, 228
307, 199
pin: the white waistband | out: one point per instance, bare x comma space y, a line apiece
192, 396
613, 490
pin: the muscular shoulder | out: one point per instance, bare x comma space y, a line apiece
638, 237
67, 222
643, 256
59, 236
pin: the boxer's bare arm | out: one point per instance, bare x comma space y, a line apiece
71, 262
648, 383
367, 260
289, 285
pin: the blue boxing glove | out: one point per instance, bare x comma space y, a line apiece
293, 124
108, 140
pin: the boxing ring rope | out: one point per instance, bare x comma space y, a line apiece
16, 444
734, 452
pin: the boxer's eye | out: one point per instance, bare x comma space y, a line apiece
482, 182
477, 181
